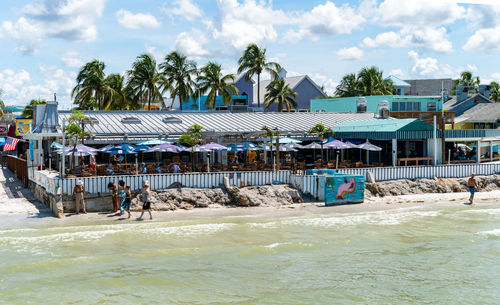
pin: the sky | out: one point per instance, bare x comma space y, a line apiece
43, 43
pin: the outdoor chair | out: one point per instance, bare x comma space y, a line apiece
359, 164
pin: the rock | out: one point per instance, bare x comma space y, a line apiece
370, 177
393, 192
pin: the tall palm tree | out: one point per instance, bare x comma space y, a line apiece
180, 74
348, 86
146, 81
212, 80
271, 133
2, 105
90, 85
320, 131
119, 95
495, 92
279, 92
253, 61
371, 82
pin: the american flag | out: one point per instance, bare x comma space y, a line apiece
10, 144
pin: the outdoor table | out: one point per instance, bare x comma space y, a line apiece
416, 160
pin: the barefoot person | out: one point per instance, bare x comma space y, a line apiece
146, 197
122, 193
472, 184
128, 200
79, 196
114, 195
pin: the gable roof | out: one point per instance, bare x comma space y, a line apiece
470, 98
239, 76
383, 125
481, 113
397, 82
292, 82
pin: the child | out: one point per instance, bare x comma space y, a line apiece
145, 196
128, 199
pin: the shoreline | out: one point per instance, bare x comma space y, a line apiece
374, 204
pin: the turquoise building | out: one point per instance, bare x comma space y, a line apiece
376, 102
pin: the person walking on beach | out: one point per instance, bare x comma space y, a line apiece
79, 196
114, 195
146, 203
122, 193
472, 184
128, 200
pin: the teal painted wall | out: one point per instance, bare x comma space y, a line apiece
348, 104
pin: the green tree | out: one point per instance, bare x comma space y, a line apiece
371, 82
180, 73
278, 92
192, 137
2, 104
212, 80
348, 86
120, 96
146, 81
90, 89
495, 92
466, 79
253, 61
271, 134
28, 110
76, 129
320, 131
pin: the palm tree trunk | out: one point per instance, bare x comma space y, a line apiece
149, 100
258, 90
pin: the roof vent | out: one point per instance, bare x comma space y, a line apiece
361, 105
131, 120
383, 109
172, 120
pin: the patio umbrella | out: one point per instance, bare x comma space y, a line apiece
105, 148
154, 142
293, 145
165, 147
369, 146
336, 144
82, 149
54, 145
247, 145
235, 147
214, 146
351, 145
313, 145
282, 148
286, 140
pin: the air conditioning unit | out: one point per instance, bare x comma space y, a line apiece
383, 109
361, 105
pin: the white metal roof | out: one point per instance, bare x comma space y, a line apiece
155, 123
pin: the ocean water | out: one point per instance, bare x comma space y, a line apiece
404, 256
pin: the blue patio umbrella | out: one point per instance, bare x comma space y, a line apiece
235, 147
154, 142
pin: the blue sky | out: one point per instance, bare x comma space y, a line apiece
44, 42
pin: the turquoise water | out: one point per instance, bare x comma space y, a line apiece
406, 256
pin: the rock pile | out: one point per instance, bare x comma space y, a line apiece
426, 186
189, 198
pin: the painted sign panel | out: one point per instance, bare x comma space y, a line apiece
22, 127
321, 172
4, 130
344, 189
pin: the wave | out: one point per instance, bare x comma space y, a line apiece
495, 232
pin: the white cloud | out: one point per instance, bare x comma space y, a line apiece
423, 66
19, 87
323, 80
423, 38
239, 24
352, 53
325, 19
65, 19
157, 54
484, 40
417, 12
192, 44
186, 9
133, 21
72, 59
483, 16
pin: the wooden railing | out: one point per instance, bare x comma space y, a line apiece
19, 167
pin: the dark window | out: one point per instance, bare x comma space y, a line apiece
431, 106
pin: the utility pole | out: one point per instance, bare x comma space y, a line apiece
443, 143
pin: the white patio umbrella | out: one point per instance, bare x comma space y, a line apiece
369, 147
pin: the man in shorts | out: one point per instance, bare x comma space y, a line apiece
472, 184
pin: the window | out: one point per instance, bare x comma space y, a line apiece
131, 120
405, 106
395, 106
431, 106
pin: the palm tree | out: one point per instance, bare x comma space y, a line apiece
2, 105
76, 129
119, 95
90, 87
348, 86
319, 130
28, 110
495, 91
253, 61
279, 92
467, 79
179, 73
212, 80
371, 82
146, 81
271, 133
